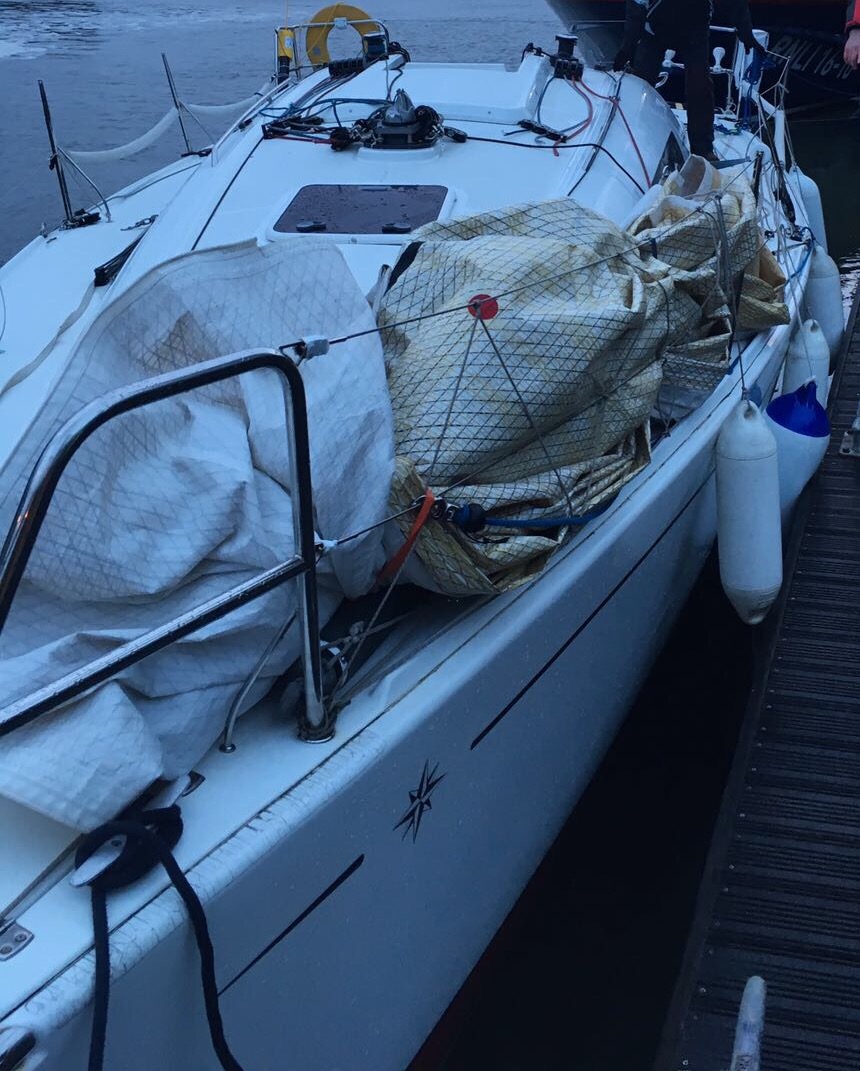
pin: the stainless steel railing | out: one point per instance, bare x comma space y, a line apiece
301, 566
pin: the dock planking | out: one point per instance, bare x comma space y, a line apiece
781, 892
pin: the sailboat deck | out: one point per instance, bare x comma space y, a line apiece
782, 886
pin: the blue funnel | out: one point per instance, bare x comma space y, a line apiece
802, 432
801, 412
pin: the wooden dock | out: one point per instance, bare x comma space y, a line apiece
781, 892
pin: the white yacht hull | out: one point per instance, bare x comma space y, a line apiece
340, 934
350, 886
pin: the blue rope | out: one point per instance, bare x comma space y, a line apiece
752, 76
803, 262
544, 522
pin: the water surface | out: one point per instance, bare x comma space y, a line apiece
101, 63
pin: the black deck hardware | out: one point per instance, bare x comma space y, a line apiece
781, 891
105, 273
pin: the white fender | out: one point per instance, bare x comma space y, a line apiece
746, 1055
749, 530
808, 358
811, 196
824, 298
801, 429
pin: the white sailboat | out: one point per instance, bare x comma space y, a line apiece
353, 841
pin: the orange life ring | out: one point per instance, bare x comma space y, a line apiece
316, 38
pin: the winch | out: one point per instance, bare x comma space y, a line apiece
397, 125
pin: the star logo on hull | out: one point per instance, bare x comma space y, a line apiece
420, 802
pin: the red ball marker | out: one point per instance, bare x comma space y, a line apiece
483, 307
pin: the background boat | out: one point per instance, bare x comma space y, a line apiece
807, 32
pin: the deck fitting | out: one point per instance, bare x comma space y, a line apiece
13, 939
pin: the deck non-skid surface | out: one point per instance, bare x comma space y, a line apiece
782, 890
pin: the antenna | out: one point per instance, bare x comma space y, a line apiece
176, 103
73, 219
56, 162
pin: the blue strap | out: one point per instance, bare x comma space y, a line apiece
545, 522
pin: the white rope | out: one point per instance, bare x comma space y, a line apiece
123, 152
197, 111
225, 111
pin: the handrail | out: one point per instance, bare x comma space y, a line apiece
43, 482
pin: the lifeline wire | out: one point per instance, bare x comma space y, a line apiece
636, 247
335, 543
488, 464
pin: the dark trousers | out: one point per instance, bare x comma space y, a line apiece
695, 49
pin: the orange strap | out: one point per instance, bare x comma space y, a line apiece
393, 564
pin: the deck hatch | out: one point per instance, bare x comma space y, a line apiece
360, 209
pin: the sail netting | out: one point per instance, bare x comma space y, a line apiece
535, 406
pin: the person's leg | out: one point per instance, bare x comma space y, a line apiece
648, 61
700, 92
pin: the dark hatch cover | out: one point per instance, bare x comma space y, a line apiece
350, 209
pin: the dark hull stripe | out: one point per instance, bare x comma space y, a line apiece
323, 896
482, 735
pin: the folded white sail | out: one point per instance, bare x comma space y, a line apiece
168, 506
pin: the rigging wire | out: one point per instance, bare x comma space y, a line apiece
476, 318
556, 147
379, 329
616, 101
123, 195
529, 418
80, 171
345, 642
371, 625
718, 223
227, 744
191, 114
